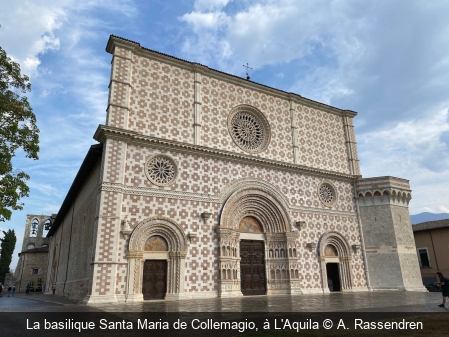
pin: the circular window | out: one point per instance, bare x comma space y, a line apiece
161, 170
327, 194
249, 128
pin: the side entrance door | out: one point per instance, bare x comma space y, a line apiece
154, 283
252, 267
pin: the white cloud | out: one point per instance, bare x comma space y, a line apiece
208, 5
201, 21
412, 150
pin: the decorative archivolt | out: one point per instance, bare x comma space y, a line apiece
161, 226
251, 183
257, 204
337, 241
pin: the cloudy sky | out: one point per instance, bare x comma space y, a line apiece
387, 60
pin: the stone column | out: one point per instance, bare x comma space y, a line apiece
134, 276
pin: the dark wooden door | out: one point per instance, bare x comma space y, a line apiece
154, 283
252, 267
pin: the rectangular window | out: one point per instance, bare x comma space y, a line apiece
35, 271
423, 257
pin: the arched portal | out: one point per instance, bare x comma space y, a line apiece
335, 260
255, 238
156, 260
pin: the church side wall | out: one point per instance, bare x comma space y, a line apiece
71, 250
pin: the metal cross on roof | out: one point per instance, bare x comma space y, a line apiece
247, 67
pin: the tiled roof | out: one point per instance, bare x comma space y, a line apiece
424, 226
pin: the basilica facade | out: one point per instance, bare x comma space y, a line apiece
204, 184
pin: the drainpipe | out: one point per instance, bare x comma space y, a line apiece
365, 263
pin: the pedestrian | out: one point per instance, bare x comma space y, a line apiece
27, 289
1, 290
54, 288
13, 290
43, 288
9, 290
444, 284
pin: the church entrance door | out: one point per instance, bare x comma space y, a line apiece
333, 276
252, 267
154, 283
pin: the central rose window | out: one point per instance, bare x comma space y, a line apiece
249, 128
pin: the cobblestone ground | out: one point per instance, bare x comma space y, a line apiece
399, 301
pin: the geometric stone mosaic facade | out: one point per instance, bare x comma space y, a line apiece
202, 160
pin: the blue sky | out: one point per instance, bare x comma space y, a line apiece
387, 60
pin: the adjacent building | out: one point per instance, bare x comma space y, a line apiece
33, 258
432, 247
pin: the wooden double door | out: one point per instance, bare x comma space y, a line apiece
252, 267
154, 285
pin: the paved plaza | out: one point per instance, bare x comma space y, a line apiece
391, 301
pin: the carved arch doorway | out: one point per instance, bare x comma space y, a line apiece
335, 260
257, 213
156, 260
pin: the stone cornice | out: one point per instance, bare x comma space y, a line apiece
137, 49
104, 132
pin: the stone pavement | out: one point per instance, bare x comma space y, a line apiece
392, 301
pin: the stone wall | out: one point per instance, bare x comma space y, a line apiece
168, 98
72, 246
34, 252
388, 237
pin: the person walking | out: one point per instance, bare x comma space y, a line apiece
27, 289
43, 288
54, 288
1, 290
444, 284
9, 290
13, 290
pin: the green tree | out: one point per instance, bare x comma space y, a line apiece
8, 244
18, 130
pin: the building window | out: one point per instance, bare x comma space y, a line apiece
327, 193
33, 228
35, 271
30, 246
423, 256
249, 128
47, 226
161, 170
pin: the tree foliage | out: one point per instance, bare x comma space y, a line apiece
8, 244
18, 130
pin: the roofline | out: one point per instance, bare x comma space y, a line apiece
89, 161
135, 46
417, 227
